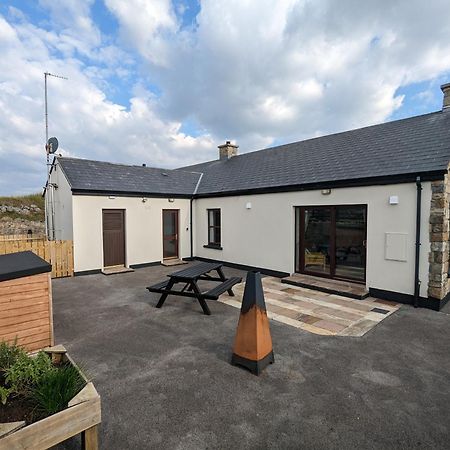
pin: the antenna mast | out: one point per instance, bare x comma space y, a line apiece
48, 200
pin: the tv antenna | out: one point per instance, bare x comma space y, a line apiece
51, 146
46, 75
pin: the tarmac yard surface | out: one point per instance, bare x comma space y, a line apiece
166, 381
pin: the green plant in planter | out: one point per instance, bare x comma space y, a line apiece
26, 372
46, 387
9, 354
4, 394
55, 389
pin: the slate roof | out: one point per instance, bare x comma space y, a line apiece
104, 177
405, 148
416, 145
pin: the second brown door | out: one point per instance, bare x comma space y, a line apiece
113, 237
170, 233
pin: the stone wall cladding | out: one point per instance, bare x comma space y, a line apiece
438, 282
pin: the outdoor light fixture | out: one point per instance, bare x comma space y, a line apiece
326, 191
248, 205
171, 200
393, 200
144, 200
112, 197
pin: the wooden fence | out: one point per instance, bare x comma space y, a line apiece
20, 237
58, 253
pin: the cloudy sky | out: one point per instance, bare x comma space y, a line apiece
164, 82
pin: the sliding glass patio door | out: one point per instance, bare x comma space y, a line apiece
331, 241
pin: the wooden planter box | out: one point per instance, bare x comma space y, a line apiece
83, 415
26, 301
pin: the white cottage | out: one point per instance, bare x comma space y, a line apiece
369, 206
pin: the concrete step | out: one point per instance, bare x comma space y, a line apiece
338, 287
173, 262
115, 270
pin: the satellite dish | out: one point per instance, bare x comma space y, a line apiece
52, 145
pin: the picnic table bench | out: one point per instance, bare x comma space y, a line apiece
190, 277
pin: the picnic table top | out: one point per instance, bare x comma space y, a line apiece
193, 272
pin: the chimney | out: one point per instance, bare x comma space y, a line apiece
227, 150
445, 88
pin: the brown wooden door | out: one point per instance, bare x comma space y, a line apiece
170, 233
113, 237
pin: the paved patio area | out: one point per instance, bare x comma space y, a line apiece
317, 312
166, 381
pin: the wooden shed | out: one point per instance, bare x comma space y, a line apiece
26, 300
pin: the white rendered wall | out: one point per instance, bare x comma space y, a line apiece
62, 205
143, 229
264, 235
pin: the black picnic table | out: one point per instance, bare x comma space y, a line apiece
189, 277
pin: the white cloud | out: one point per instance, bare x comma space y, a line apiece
145, 25
292, 69
253, 72
76, 28
86, 123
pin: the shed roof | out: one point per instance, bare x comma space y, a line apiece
22, 264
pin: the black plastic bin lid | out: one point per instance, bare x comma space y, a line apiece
22, 264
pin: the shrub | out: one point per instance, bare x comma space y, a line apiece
27, 372
48, 388
4, 394
55, 389
9, 354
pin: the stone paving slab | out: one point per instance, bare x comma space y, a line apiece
317, 312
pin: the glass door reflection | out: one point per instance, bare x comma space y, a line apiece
316, 241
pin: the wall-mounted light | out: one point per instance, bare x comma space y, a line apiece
248, 205
326, 191
393, 200
112, 197
144, 200
171, 200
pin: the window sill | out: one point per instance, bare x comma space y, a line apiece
213, 246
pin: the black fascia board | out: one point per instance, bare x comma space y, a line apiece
355, 182
128, 194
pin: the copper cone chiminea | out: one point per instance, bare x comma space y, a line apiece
253, 342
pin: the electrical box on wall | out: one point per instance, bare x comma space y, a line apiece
396, 246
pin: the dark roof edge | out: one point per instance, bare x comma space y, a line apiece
64, 173
128, 194
357, 182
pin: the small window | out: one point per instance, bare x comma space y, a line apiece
214, 232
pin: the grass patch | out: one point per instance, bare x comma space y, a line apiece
24, 200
